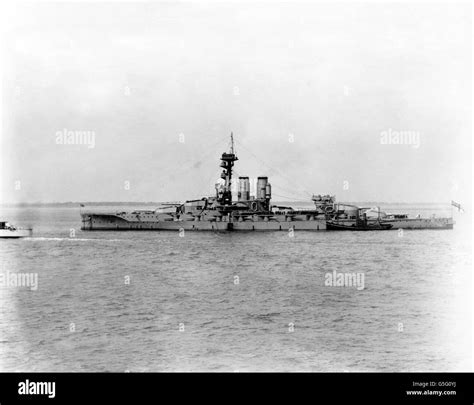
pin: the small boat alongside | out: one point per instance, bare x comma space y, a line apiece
354, 218
8, 231
354, 226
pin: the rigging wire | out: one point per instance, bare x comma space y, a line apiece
190, 164
287, 198
296, 195
271, 168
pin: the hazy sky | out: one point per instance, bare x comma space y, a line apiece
143, 77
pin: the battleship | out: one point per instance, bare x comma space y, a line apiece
220, 212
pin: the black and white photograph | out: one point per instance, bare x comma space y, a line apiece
236, 187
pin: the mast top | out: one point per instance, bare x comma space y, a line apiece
231, 155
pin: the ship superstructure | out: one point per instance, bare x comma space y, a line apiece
250, 212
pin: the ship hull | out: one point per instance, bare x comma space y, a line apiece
401, 223
15, 234
98, 222
420, 223
315, 225
159, 222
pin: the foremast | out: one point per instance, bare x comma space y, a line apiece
224, 193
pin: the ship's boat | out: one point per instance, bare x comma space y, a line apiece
9, 231
354, 218
339, 226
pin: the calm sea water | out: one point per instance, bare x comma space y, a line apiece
234, 301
